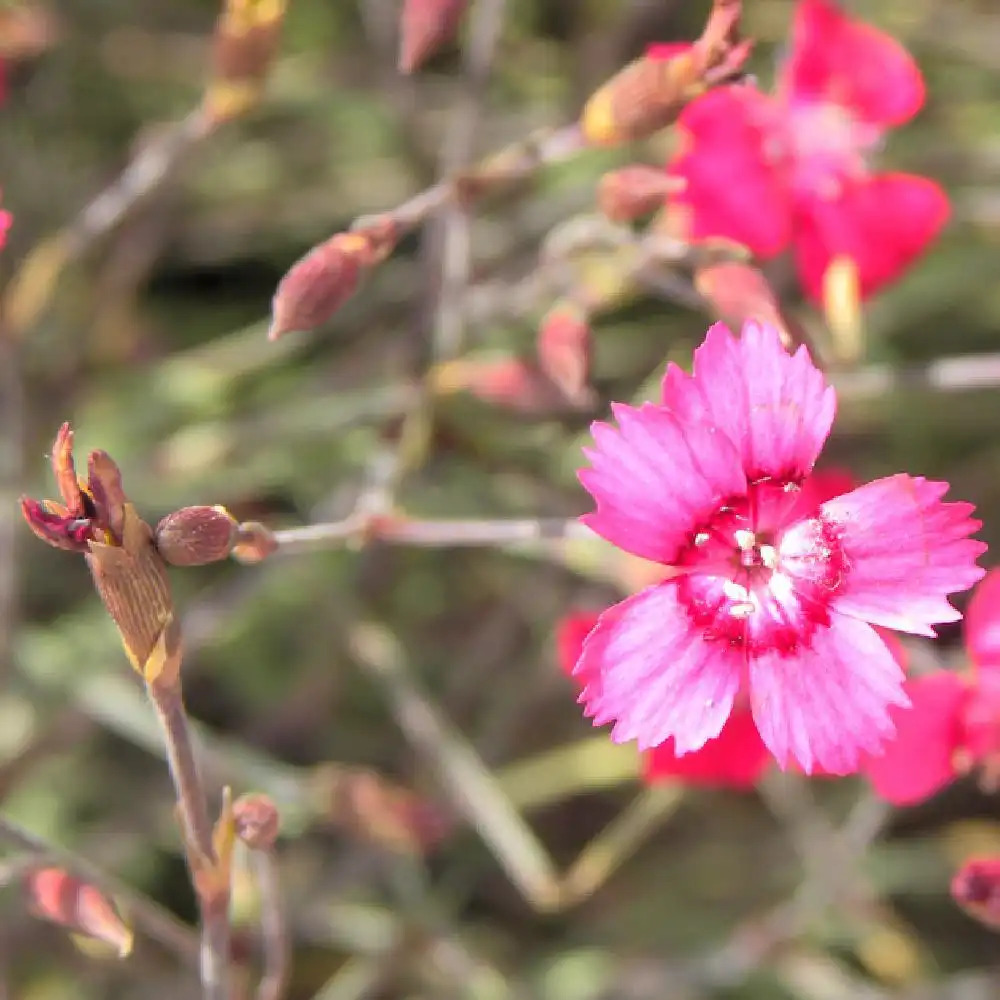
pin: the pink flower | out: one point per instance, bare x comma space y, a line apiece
736, 758
791, 168
762, 599
954, 725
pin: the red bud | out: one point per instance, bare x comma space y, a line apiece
316, 286
509, 383
632, 192
563, 345
976, 889
57, 896
425, 26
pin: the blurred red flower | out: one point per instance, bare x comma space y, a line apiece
954, 724
792, 168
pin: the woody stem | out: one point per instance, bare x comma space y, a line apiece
168, 701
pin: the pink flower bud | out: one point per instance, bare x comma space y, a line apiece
425, 26
632, 192
564, 348
976, 889
325, 278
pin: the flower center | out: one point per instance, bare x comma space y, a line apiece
760, 575
826, 145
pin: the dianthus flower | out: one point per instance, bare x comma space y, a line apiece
762, 598
791, 168
953, 727
735, 759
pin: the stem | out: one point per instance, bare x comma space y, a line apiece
429, 534
273, 926
169, 704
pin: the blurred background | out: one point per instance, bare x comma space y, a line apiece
404, 707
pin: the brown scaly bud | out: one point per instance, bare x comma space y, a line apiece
254, 543
425, 26
246, 38
564, 348
650, 92
976, 889
194, 536
630, 193
257, 821
96, 520
318, 284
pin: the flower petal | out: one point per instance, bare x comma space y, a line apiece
847, 62
648, 669
882, 223
918, 762
571, 631
732, 189
776, 406
905, 552
736, 758
818, 487
827, 703
656, 478
982, 622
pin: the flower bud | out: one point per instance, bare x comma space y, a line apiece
256, 821
632, 192
564, 342
61, 897
318, 284
976, 889
254, 542
425, 26
509, 383
246, 37
738, 292
194, 536
650, 92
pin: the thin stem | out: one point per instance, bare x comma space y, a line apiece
456, 245
31, 287
158, 923
430, 533
273, 927
169, 704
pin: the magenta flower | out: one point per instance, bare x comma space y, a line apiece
764, 597
953, 727
792, 168
735, 759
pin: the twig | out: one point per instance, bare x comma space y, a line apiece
273, 926
956, 374
168, 702
158, 923
467, 781
459, 144
428, 534
152, 165
30, 289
